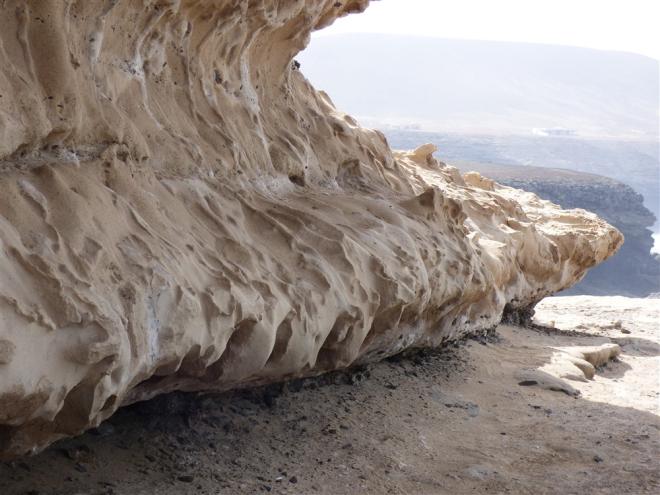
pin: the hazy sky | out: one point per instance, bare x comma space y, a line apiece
626, 25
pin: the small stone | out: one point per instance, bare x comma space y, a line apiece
598, 458
625, 330
186, 478
269, 400
293, 479
70, 453
103, 430
473, 410
7, 351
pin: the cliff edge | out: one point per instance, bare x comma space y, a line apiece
634, 271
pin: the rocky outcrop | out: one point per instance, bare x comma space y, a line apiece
634, 271
181, 210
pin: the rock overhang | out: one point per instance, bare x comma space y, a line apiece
182, 210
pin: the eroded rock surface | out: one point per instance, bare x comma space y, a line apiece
634, 271
181, 210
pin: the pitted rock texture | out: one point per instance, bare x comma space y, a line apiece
634, 271
181, 210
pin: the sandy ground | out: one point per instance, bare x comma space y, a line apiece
451, 421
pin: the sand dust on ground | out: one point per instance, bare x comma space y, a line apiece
459, 420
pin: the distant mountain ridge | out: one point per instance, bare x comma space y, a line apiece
487, 87
487, 102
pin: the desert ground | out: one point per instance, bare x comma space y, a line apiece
490, 414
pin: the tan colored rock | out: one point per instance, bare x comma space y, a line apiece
577, 363
597, 356
181, 210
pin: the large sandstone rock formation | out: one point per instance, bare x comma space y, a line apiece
181, 210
